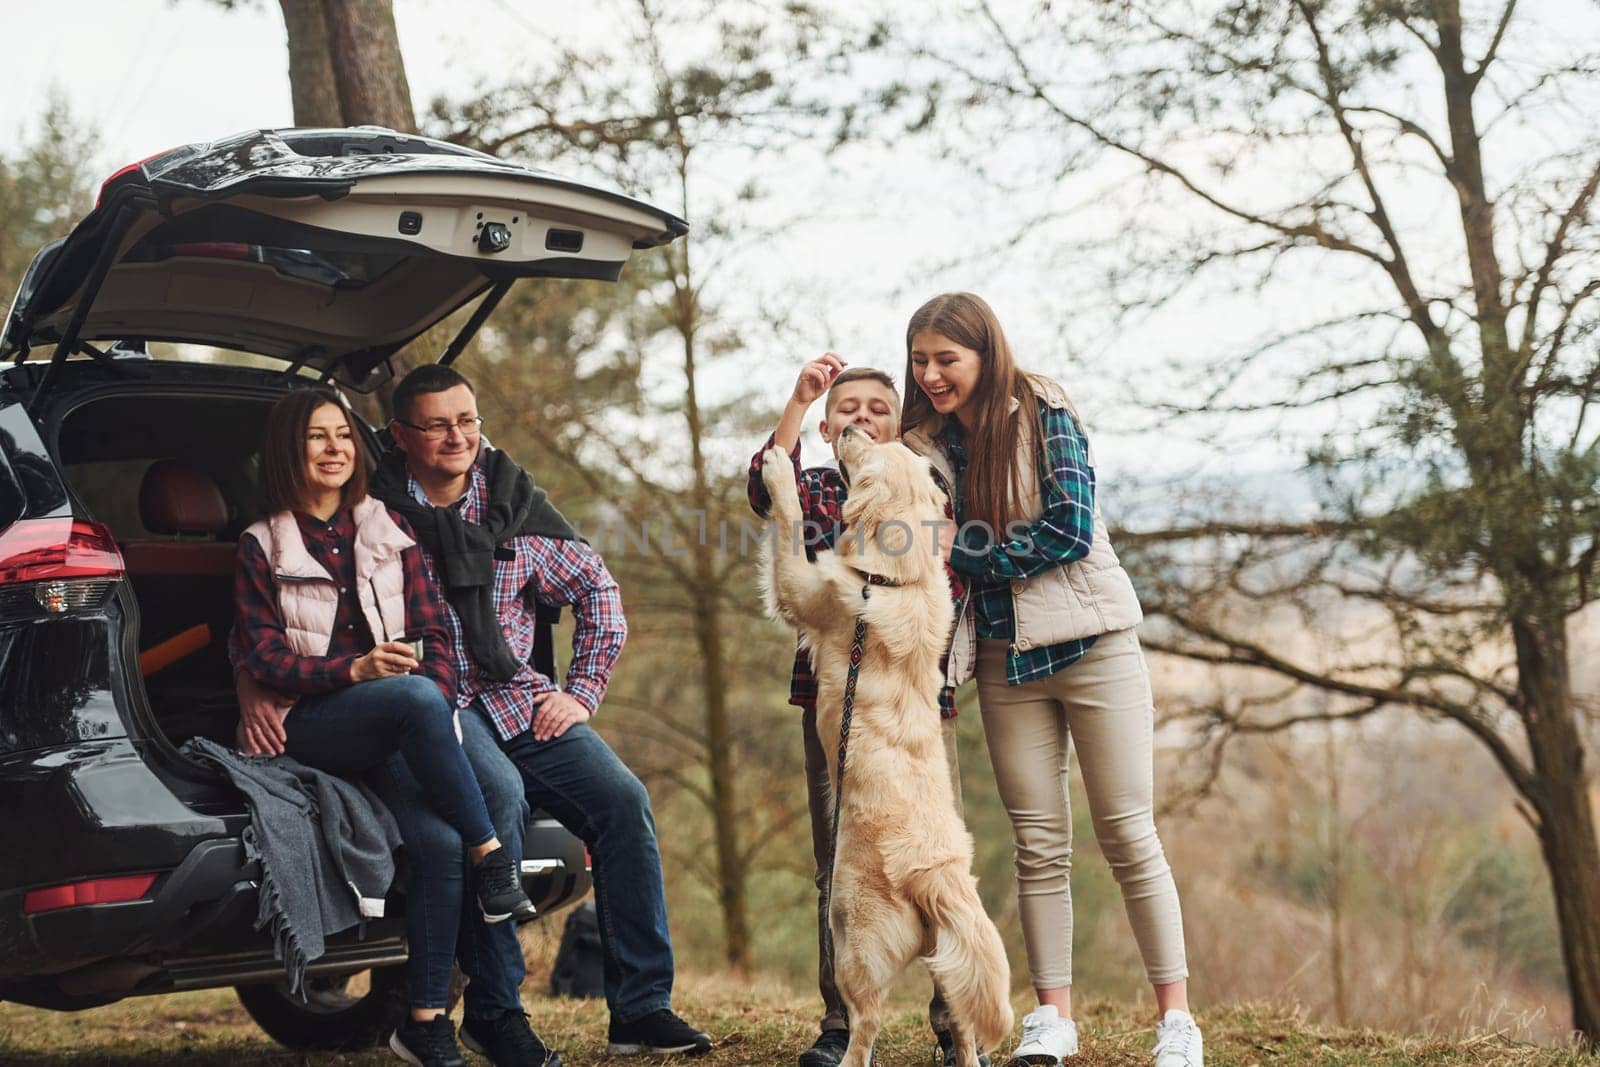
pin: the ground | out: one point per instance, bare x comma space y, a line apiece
754, 1024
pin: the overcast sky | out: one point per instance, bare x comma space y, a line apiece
146, 75
149, 74
870, 233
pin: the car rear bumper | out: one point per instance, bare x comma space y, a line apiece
213, 889
194, 929
555, 867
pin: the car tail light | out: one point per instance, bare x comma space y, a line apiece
95, 891
58, 565
129, 169
35, 550
119, 172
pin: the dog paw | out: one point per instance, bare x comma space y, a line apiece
777, 472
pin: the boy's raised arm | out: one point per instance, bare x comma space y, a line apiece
815, 377
813, 382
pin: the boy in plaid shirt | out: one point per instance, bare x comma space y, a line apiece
866, 399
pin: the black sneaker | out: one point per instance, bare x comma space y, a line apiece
498, 884
947, 1050
827, 1050
660, 1033
429, 1044
507, 1041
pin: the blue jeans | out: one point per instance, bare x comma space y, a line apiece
442, 922
581, 782
353, 730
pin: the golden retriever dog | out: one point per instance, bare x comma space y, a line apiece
902, 880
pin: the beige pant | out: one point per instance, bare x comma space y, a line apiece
1102, 704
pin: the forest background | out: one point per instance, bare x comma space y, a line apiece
1320, 276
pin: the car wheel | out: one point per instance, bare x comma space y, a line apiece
331, 1018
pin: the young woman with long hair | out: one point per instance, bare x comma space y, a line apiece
1048, 631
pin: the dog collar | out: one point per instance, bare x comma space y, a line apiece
876, 579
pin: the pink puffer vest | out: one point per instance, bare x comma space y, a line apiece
308, 597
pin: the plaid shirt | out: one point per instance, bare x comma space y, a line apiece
544, 570
1063, 532
260, 646
822, 496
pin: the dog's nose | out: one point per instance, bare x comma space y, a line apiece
848, 430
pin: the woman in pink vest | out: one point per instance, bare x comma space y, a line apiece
1048, 631
338, 614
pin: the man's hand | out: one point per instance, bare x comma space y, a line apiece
261, 712
556, 712
815, 377
389, 660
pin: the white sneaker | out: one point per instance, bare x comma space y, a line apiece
1047, 1038
1178, 1041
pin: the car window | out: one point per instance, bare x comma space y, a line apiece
110, 490
107, 445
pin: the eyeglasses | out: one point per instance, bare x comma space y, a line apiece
440, 429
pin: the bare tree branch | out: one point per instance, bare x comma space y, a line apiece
1212, 530
1494, 43
1312, 231
1396, 265
1237, 651
1554, 250
1407, 126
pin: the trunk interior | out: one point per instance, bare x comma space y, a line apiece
174, 478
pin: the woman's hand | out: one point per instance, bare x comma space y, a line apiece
261, 713
815, 377
389, 660
945, 538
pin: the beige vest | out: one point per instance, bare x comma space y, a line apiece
308, 597
1084, 598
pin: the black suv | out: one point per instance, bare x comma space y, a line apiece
126, 480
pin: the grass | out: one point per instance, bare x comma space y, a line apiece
755, 1024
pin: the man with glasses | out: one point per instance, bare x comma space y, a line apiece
500, 551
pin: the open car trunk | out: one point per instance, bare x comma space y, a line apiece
327, 249
172, 474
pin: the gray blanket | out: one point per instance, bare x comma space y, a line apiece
326, 848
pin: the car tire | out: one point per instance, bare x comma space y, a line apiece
330, 1019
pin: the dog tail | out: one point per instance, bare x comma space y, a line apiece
968, 960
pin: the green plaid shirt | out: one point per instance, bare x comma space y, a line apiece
1063, 532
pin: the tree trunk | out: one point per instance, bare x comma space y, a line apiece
1477, 209
311, 84
1336, 883
1566, 818
731, 895
1566, 834
368, 70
